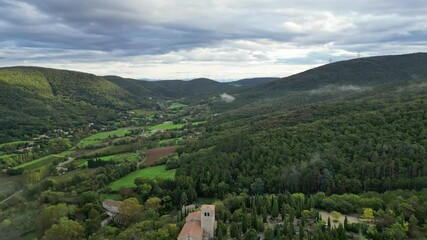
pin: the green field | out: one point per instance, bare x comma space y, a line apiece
97, 139
177, 105
165, 126
38, 162
151, 172
116, 157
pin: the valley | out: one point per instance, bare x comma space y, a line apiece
336, 152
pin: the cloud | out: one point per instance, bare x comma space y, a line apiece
227, 98
339, 88
153, 38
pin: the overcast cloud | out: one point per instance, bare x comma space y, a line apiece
220, 39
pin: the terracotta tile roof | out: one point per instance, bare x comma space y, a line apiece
194, 216
208, 207
191, 229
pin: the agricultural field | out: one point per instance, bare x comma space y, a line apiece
153, 155
39, 162
43, 161
177, 105
166, 126
150, 172
97, 139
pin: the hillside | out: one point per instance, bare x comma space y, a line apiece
251, 82
337, 128
171, 89
33, 100
305, 142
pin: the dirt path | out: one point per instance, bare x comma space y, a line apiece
11, 196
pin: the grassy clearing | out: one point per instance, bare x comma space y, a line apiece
98, 138
166, 126
151, 172
176, 106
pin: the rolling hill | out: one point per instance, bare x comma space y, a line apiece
170, 89
34, 100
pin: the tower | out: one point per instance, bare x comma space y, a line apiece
208, 220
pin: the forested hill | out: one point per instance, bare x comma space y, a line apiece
348, 74
346, 127
172, 88
33, 100
251, 82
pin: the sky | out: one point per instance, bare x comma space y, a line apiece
218, 39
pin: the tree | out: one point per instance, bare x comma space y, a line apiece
65, 230
258, 186
50, 215
153, 203
184, 199
129, 211
269, 234
245, 223
234, 230
341, 232
346, 226
251, 235
368, 213
336, 215
275, 209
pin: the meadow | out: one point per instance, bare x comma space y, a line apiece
150, 172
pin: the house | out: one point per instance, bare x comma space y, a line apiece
200, 225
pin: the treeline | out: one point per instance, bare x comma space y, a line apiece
296, 216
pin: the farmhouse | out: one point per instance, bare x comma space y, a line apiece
200, 225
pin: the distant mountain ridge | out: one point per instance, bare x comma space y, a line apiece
34, 99
171, 88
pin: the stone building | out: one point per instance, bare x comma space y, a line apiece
200, 225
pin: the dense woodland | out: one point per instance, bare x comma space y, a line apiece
337, 152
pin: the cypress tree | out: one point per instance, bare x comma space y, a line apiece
275, 209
